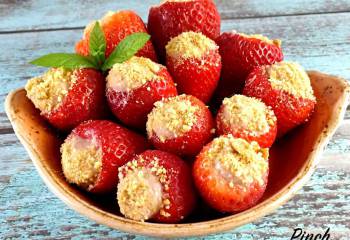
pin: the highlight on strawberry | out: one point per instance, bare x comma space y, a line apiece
73, 90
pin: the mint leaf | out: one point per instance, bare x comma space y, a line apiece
97, 44
126, 49
65, 60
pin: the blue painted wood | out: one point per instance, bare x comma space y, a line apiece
29, 210
319, 41
38, 14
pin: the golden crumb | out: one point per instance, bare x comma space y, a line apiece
48, 91
164, 1
238, 160
133, 74
247, 114
171, 118
189, 45
103, 21
292, 78
276, 42
81, 161
139, 195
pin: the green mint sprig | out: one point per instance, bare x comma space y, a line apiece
126, 49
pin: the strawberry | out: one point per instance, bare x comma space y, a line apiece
240, 54
156, 186
247, 118
172, 18
231, 174
94, 150
134, 86
181, 125
67, 98
286, 88
195, 63
116, 26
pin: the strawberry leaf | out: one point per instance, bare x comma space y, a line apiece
65, 60
126, 49
97, 44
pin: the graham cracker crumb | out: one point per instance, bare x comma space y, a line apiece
276, 42
129, 196
238, 160
139, 195
48, 91
190, 45
81, 161
171, 118
247, 114
133, 74
292, 78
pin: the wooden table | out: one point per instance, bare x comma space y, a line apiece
315, 32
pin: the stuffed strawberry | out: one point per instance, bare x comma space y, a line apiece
195, 63
173, 17
286, 88
181, 125
247, 118
116, 26
94, 150
68, 97
156, 186
231, 174
134, 86
240, 54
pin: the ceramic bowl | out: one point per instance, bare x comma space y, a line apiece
293, 160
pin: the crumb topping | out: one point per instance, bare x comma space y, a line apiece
132, 74
143, 191
276, 42
171, 118
190, 45
102, 21
247, 114
81, 161
48, 91
139, 195
239, 161
164, 1
292, 78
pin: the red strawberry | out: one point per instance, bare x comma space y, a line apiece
286, 88
67, 98
116, 26
247, 118
181, 125
240, 54
172, 17
156, 186
195, 63
94, 150
134, 86
231, 174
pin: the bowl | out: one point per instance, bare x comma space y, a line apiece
292, 162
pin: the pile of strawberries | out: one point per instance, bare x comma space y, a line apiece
255, 95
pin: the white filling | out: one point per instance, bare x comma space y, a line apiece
139, 195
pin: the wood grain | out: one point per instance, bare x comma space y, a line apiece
39, 15
28, 209
314, 32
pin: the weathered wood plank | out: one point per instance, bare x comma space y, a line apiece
29, 210
319, 49
19, 15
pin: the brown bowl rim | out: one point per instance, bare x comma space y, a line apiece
186, 229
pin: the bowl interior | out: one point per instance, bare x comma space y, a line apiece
292, 160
